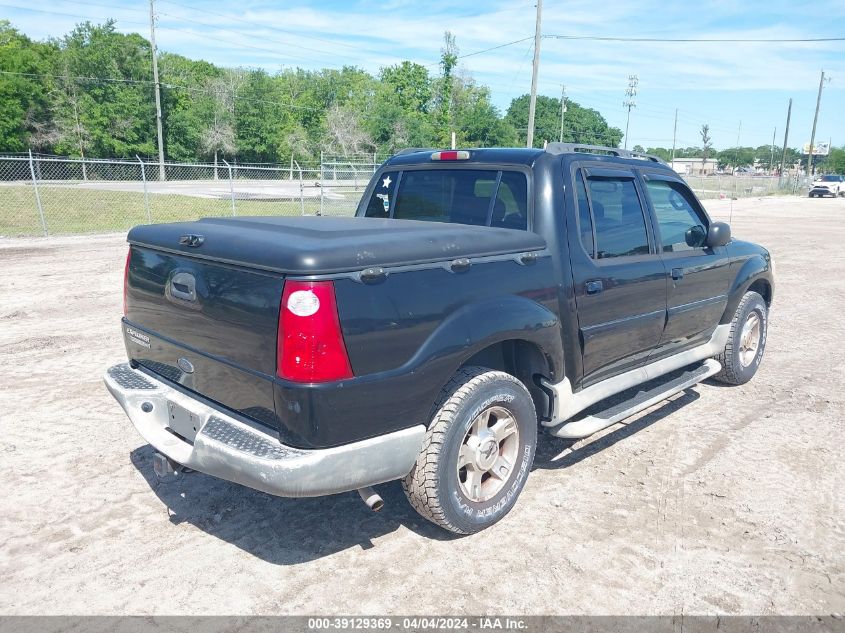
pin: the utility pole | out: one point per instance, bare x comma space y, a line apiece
772, 159
785, 138
629, 102
674, 136
161, 175
562, 109
810, 168
538, 30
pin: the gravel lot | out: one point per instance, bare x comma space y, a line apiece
725, 500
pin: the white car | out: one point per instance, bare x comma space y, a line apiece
828, 185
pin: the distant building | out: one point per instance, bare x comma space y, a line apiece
695, 166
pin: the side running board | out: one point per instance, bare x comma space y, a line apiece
643, 400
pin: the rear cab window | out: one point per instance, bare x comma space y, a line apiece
481, 197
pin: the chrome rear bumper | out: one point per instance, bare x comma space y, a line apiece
235, 450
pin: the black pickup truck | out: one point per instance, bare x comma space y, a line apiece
477, 297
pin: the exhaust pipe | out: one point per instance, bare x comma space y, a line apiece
371, 498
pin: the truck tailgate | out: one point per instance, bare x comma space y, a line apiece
207, 326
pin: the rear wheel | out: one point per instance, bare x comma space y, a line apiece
747, 340
477, 452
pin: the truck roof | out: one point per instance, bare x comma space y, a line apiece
500, 155
528, 156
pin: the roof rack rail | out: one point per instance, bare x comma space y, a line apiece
573, 148
414, 150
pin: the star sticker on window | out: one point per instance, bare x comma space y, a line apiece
386, 182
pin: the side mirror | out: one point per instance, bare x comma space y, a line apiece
719, 234
696, 236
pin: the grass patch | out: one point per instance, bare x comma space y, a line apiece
69, 210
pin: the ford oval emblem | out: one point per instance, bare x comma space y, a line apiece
185, 365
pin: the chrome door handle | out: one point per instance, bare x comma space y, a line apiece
594, 287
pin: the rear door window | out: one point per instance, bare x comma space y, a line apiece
483, 197
585, 221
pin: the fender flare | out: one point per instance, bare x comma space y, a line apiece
478, 325
754, 268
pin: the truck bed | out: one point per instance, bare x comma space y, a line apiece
327, 245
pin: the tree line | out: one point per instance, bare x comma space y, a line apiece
767, 157
737, 157
90, 93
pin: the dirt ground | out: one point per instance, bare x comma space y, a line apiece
725, 500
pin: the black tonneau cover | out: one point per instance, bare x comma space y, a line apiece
325, 245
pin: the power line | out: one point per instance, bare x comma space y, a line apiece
265, 39
148, 82
487, 50
660, 40
274, 52
264, 26
493, 48
71, 15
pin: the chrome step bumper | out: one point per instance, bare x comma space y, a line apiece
232, 449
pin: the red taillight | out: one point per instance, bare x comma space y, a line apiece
126, 278
310, 345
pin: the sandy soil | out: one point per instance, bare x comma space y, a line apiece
725, 500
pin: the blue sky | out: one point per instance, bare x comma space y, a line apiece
723, 84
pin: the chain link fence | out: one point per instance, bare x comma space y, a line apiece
719, 186
50, 195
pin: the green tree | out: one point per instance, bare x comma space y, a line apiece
107, 91
736, 157
475, 120
661, 152
401, 111
836, 160
409, 84
445, 89
706, 143
188, 104
25, 118
581, 125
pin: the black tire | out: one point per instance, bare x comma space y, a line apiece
811, 195
435, 487
737, 367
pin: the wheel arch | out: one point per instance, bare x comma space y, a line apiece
525, 360
755, 275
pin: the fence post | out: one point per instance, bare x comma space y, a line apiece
301, 190
231, 185
146, 194
322, 182
37, 195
